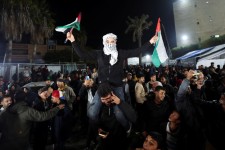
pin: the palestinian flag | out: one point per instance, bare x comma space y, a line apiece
69, 27
159, 55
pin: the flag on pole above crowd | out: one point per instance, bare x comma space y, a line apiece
159, 55
71, 26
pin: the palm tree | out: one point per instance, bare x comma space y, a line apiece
15, 19
24, 16
137, 26
43, 24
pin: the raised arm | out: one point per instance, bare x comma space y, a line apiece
185, 85
128, 111
91, 55
35, 115
146, 47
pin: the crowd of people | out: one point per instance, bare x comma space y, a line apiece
172, 107
117, 107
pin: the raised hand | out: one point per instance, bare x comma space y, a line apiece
115, 99
70, 37
61, 106
153, 39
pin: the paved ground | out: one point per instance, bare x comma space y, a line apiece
77, 140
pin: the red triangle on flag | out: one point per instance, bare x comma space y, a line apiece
79, 17
158, 26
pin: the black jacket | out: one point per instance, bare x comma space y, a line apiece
15, 124
117, 136
63, 123
106, 72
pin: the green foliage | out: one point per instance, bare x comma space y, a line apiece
20, 17
213, 42
189, 47
179, 51
136, 26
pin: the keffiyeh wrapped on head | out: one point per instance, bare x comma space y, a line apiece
110, 48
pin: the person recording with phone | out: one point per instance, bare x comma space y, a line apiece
202, 118
188, 103
86, 94
112, 131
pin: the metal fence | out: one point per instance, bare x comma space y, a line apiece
7, 70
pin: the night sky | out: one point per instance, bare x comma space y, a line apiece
102, 16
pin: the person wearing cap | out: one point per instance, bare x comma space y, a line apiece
62, 122
17, 120
110, 64
66, 92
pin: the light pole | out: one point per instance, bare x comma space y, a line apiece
72, 55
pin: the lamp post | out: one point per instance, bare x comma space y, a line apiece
72, 55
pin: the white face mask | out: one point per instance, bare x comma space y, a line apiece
110, 47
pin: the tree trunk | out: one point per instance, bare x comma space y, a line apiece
9, 51
140, 53
34, 53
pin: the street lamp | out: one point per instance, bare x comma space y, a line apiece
148, 57
184, 37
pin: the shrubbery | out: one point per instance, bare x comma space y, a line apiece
179, 51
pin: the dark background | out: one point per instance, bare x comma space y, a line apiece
102, 16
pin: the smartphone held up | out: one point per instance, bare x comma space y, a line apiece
87, 78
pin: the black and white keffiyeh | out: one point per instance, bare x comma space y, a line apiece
110, 49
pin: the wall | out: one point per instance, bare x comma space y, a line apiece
198, 20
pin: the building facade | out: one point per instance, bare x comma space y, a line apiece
198, 20
29, 53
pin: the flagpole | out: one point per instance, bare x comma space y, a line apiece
169, 50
